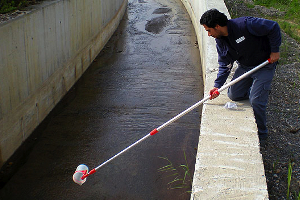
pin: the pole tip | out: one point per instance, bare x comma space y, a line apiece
81, 170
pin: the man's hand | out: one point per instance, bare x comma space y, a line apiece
213, 93
274, 56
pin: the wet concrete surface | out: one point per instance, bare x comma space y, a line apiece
147, 73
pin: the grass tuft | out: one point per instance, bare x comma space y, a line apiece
181, 176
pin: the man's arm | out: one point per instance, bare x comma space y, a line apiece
269, 28
225, 65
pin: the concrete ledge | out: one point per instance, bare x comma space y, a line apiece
43, 53
228, 163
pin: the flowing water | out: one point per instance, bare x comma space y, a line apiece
147, 73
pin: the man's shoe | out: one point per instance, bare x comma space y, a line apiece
263, 137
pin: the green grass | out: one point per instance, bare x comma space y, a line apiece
290, 170
181, 178
289, 194
290, 28
274, 166
8, 5
290, 21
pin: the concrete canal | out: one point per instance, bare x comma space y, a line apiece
147, 73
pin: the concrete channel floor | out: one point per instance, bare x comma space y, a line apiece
147, 73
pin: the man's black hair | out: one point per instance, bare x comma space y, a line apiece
213, 17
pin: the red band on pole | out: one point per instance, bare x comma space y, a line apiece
153, 132
92, 171
269, 60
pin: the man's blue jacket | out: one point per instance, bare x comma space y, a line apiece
250, 41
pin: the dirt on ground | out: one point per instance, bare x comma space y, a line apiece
283, 146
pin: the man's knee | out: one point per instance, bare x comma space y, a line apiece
236, 96
231, 96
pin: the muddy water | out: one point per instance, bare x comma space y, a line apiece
148, 72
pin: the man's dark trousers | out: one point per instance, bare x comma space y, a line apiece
256, 87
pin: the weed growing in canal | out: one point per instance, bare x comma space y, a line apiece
181, 176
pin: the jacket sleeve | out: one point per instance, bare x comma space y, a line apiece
224, 65
264, 27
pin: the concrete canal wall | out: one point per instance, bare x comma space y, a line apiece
228, 164
43, 53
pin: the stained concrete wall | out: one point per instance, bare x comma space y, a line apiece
228, 163
43, 53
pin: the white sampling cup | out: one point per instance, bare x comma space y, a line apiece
231, 106
80, 171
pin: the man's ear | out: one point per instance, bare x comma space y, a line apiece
217, 26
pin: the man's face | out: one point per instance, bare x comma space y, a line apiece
213, 32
